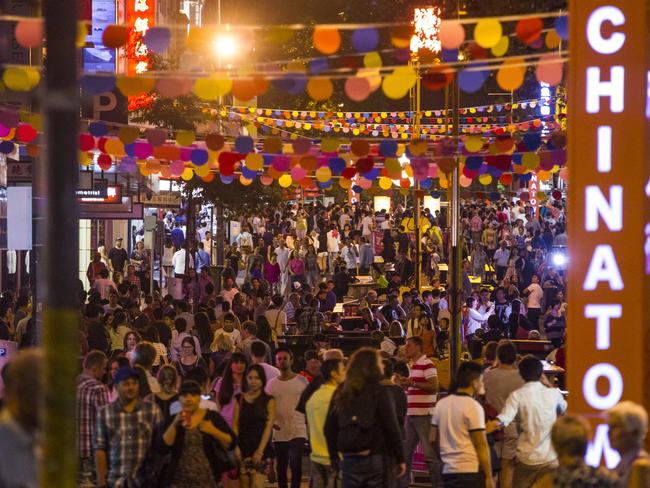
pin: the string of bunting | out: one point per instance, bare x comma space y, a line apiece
355, 164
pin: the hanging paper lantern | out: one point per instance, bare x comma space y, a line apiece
398, 84
298, 173
562, 27
473, 144
266, 180
320, 89
7, 147
105, 162
210, 89
552, 40
364, 40
501, 47
530, 160
155, 137
360, 147
115, 36
529, 30
326, 40
199, 157
550, 70
506, 179
474, 162
357, 88
329, 145
132, 86
174, 87
114, 147
157, 39
364, 164
488, 32
471, 81
485, 179
387, 148
372, 60
532, 140
323, 174
301, 146
464, 181
97, 129
511, 75
349, 173
185, 137
226, 179
272, 145
285, 181
254, 162
451, 33
244, 144
245, 181
385, 183
446, 164
337, 165
29, 32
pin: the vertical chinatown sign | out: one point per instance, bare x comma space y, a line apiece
608, 208
140, 16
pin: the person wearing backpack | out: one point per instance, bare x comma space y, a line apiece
362, 426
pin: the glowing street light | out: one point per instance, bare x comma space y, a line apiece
225, 46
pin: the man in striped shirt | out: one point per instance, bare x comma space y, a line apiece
421, 389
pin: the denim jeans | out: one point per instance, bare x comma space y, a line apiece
289, 454
418, 428
363, 471
324, 476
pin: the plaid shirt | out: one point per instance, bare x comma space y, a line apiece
91, 395
311, 322
126, 438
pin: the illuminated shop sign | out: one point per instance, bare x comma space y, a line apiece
140, 16
608, 210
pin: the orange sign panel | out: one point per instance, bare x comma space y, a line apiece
608, 212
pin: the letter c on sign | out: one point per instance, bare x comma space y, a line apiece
595, 399
596, 40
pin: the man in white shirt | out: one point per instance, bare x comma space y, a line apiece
458, 428
282, 253
333, 240
290, 430
351, 256
178, 261
534, 305
536, 406
229, 290
501, 258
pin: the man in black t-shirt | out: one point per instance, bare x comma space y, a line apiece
117, 257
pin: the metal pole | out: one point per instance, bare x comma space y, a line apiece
455, 257
61, 325
415, 108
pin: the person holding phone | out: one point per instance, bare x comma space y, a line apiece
193, 434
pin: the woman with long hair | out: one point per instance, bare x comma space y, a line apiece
131, 339
168, 394
254, 427
190, 358
312, 271
204, 333
362, 425
296, 268
229, 386
118, 330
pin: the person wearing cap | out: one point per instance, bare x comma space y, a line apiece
191, 435
117, 257
125, 429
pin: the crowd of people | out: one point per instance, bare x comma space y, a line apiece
205, 388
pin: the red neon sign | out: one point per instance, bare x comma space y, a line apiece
140, 16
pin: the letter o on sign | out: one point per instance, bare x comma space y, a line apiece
595, 399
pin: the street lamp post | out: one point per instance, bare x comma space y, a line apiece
426, 23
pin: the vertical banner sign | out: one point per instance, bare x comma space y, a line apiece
533, 188
608, 211
140, 16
